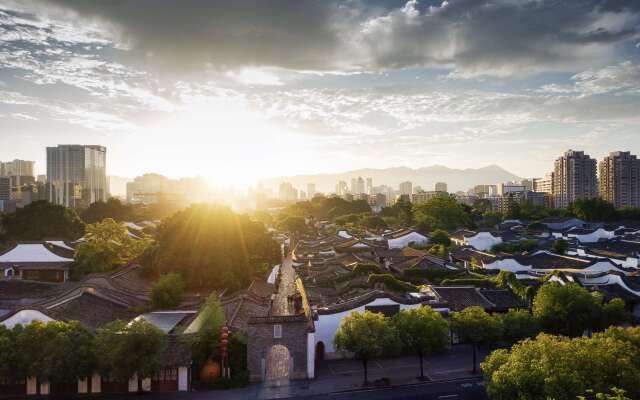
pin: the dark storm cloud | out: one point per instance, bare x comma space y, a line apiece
495, 37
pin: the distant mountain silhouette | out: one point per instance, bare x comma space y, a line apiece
426, 177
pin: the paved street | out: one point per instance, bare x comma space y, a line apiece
286, 288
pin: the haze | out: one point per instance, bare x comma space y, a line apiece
241, 90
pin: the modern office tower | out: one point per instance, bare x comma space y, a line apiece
287, 192
406, 188
311, 190
620, 179
341, 188
441, 187
574, 178
528, 184
360, 189
369, 185
504, 189
76, 175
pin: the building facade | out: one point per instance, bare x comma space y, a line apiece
76, 175
574, 178
406, 188
441, 187
620, 179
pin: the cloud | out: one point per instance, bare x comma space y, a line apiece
623, 78
476, 37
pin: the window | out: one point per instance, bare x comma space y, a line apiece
277, 331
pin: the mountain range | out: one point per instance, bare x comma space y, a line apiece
425, 177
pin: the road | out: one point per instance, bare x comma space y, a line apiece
286, 288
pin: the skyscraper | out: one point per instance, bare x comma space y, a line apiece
311, 190
369, 185
76, 175
406, 188
441, 187
21, 172
360, 186
574, 178
620, 179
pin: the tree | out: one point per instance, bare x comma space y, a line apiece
474, 326
12, 368
571, 309
130, 349
374, 222
42, 220
212, 247
112, 208
560, 246
440, 237
441, 213
367, 335
107, 245
293, 224
55, 352
167, 291
210, 320
593, 209
422, 331
518, 325
561, 368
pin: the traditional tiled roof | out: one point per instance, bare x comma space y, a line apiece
468, 254
91, 310
460, 297
502, 299
615, 248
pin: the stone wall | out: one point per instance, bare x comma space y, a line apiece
261, 338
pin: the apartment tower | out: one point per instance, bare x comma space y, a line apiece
574, 177
620, 179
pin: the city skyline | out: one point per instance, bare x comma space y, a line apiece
348, 85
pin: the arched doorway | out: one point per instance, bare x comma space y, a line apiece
278, 363
319, 357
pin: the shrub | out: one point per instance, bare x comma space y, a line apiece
167, 291
391, 283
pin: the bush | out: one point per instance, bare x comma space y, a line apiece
167, 291
431, 275
477, 282
365, 269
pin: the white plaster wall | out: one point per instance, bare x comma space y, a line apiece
96, 383
483, 241
508, 264
32, 386
327, 325
604, 266
404, 241
133, 383
25, 317
311, 348
83, 386
594, 236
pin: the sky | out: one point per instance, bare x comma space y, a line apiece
245, 89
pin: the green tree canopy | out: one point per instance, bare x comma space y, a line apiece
474, 326
594, 209
441, 213
440, 237
293, 224
560, 246
212, 247
167, 291
112, 208
56, 352
210, 320
129, 349
42, 220
422, 331
367, 335
518, 325
374, 222
571, 309
12, 364
557, 367
107, 245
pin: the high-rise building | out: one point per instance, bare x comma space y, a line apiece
360, 188
406, 188
21, 172
544, 185
441, 187
76, 175
354, 185
341, 188
287, 192
574, 178
311, 190
5, 188
369, 185
504, 189
620, 179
